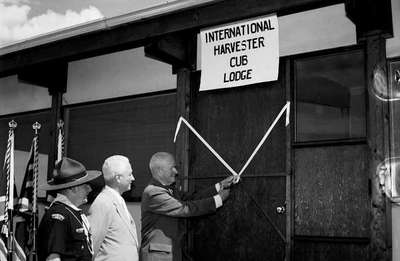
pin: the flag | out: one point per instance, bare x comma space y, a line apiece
7, 188
7, 182
23, 229
60, 153
27, 202
3, 250
60, 141
26, 194
18, 254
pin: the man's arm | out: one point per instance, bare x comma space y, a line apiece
208, 192
159, 201
99, 216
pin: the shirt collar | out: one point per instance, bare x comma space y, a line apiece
114, 192
64, 199
159, 184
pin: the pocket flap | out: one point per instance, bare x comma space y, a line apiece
160, 247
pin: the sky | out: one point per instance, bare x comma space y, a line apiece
23, 19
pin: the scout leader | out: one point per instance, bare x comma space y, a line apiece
64, 230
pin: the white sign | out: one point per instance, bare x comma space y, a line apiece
240, 53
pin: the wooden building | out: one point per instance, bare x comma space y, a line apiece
310, 193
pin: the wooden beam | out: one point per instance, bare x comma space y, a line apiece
142, 32
370, 17
169, 49
48, 75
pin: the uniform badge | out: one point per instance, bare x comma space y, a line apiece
79, 230
57, 217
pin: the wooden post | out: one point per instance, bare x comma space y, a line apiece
289, 178
183, 110
378, 142
56, 114
51, 75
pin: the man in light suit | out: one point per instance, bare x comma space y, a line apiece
162, 209
113, 229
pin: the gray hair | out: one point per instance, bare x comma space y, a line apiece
113, 166
156, 159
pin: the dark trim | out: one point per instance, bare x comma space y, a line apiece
25, 113
320, 143
328, 239
119, 99
309, 6
349, 48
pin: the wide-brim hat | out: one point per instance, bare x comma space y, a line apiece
69, 173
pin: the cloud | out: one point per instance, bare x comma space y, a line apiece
15, 24
15, 2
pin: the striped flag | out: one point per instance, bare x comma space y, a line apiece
7, 182
25, 232
26, 196
60, 153
3, 250
7, 188
60, 141
18, 254
23, 229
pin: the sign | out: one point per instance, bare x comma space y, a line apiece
240, 53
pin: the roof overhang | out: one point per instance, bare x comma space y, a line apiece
141, 28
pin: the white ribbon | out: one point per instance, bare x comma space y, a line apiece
236, 176
181, 119
285, 108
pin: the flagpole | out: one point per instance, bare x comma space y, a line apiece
36, 127
10, 242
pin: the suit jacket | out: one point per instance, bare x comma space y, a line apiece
161, 211
113, 233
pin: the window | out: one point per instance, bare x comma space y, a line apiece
330, 97
136, 128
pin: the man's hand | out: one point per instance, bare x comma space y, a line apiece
226, 183
224, 194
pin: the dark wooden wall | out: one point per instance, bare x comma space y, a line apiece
332, 212
136, 128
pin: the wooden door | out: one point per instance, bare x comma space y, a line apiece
234, 121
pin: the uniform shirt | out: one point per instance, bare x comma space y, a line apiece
63, 231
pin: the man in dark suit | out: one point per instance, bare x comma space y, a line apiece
162, 208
